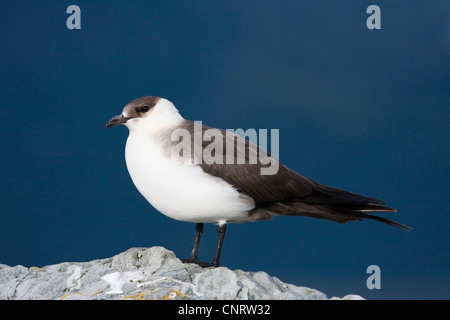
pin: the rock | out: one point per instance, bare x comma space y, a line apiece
145, 273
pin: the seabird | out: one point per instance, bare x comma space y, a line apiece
196, 191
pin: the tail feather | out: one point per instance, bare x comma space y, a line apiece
374, 207
340, 214
326, 203
389, 222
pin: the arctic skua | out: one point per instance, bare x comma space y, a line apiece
182, 185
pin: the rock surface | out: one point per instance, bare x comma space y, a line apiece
144, 273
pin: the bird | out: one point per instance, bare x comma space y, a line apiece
190, 189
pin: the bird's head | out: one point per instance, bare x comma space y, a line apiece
146, 113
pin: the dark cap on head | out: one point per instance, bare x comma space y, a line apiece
134, 109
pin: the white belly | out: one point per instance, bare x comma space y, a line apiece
182, 191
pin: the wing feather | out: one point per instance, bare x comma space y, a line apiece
286, 192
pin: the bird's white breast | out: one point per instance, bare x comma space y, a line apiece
181, 191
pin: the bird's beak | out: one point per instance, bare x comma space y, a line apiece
120, 119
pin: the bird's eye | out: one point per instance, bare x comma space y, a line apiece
145, 109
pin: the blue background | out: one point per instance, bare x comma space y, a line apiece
362, 110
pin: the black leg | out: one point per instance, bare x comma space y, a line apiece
221, 230
198, 235
194, 253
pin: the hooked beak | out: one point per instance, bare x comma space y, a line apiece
120, 119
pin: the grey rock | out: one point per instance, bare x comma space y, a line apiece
145, 273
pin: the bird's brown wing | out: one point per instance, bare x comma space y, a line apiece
285, 192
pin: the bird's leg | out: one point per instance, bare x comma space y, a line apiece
194, 257
194, 254
221, 230
198, 235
